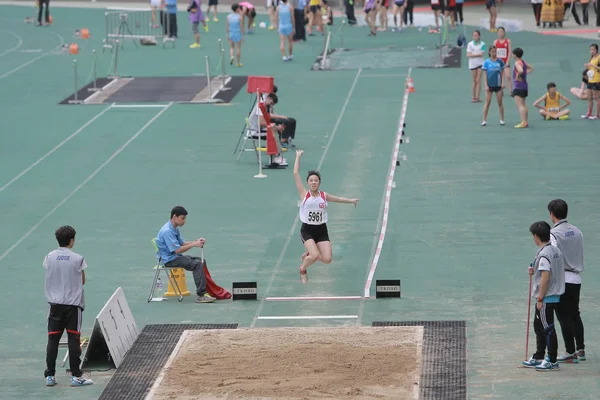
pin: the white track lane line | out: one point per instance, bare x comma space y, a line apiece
82, 184
388, 190
14, 48
53, 150
291, 233
12, 71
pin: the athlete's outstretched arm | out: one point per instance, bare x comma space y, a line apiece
335, 199
297, 179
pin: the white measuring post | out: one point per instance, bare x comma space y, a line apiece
260, 171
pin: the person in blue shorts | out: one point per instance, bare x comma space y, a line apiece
235, 34
493, 82
283, 14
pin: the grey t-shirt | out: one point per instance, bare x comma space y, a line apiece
64, 284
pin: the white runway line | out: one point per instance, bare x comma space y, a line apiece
12, 71
14, 48
388, 190
314, 298
291, 233
58, 146
82, 184
310, 317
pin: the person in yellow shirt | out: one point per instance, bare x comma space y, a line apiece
552, 108
593, 86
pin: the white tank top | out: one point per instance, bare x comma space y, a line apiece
313, 210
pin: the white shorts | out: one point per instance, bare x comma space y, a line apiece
155, 3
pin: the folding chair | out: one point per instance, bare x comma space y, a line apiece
168, 271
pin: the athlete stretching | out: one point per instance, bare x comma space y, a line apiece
313, 214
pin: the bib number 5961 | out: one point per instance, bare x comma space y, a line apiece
315, 216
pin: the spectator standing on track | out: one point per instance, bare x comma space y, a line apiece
548, 284
214, 5
65, 277
458, 12
40, 11
503, 47
300, 31
569, 241
285, 22
171, 246
234, 26
520, 87
537, 10
593, 86
170, 27
408, 13
196, 16
493, 82
475, 52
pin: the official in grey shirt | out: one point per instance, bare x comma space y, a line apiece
65, 277
569, 240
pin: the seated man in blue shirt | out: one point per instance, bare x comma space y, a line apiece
171, 246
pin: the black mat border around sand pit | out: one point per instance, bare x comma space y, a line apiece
443, 372
444, 363
84, 93
232, 88
146, 358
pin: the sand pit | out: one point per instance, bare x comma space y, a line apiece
294, 363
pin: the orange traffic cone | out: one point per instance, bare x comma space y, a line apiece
410, 85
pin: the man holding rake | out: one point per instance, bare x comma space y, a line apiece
549, 283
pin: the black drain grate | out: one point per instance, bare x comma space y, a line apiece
144, 361
444, 364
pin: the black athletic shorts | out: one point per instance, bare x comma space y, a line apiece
519, 93
593, 86
318, 233
494, 89
314, 9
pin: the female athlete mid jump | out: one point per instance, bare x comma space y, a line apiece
313, 214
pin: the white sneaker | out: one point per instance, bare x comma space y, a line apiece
484, 123
501, 122
81, 381
285, 59
585, 116
280, 161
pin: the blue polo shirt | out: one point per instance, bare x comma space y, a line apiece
300, 4
168, 240
171, 6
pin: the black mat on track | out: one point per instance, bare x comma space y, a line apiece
159, 89
84, 93
233, 87
444, 364
144, 361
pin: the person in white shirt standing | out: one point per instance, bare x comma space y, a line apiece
65, 277
313, 215
569, 241
476, 52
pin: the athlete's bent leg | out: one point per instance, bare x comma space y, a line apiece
325, 250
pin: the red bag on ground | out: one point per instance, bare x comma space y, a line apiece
213, 289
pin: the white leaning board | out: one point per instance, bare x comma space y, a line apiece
116, 327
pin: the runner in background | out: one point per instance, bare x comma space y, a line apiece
437, 7
383, 15
503, 47
450, 11
398, 10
